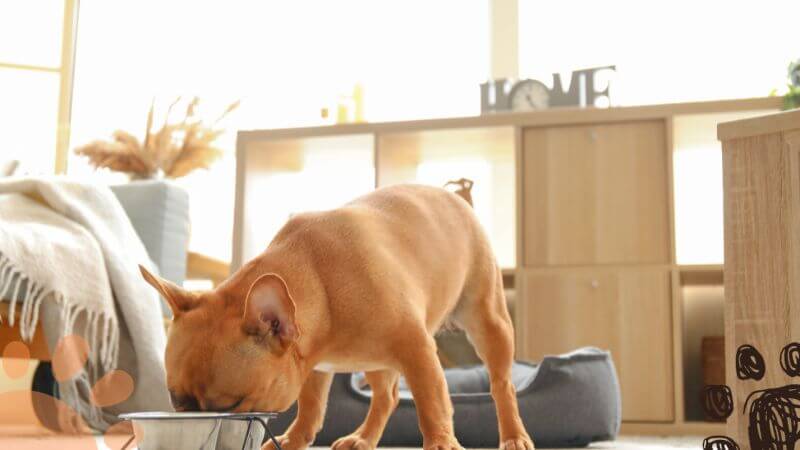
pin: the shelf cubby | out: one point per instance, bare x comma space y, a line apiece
288, 176
484, 155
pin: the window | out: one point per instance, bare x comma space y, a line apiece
285, 60
664, 52
35, 81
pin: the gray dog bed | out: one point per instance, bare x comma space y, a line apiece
569, 400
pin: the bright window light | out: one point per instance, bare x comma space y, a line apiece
285, 60
697, 170
325, 177
665, 52
29, 117
30, 32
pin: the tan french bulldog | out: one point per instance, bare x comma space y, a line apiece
360, 288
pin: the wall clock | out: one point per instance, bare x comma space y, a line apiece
529, 95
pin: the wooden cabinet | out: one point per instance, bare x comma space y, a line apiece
626, 311
597, 253
596, 194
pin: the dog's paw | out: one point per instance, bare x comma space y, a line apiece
352, 442
287, 443
520, 443
443, 443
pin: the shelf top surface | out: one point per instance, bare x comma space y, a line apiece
549, 117
755, 126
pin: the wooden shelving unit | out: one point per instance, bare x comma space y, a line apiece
605, 221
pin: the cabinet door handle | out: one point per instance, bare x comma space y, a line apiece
595, 284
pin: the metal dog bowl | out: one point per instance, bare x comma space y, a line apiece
200, 430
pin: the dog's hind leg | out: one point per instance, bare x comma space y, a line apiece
311, 405
488, 325
385, 396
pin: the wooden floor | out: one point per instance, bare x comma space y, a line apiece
30, 439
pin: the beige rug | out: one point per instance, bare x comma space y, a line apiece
25, 438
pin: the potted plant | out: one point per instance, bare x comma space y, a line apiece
791, 99
172, 151
158, 208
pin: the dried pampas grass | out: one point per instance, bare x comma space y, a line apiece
175, 149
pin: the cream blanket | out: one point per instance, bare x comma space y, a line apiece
72, 250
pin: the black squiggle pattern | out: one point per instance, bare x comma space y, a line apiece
790, 359
775, 418
749, 363
719, 443
717, 401
774, 413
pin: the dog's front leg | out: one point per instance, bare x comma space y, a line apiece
426, 380
311, 406
385, 396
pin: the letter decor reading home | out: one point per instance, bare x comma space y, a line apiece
527, 95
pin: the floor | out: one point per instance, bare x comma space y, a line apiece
30, 439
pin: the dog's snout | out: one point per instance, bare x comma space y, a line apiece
208, 405
190, 404
184, 402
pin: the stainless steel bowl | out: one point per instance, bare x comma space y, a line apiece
199, 430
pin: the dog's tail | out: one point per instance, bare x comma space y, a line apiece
464, 188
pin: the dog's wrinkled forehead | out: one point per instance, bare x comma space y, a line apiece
192, 336
187, 347
207, 337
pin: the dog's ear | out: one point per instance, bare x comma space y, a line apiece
178, 299
269, 312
